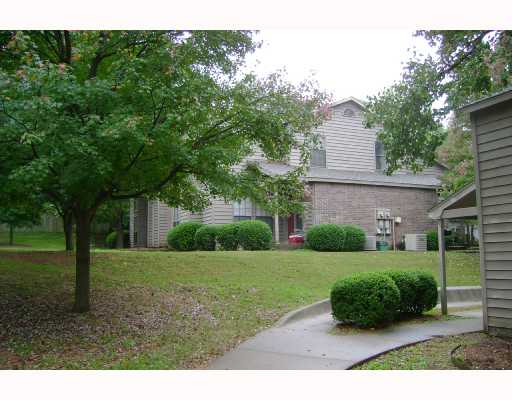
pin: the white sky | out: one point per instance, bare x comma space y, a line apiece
346, 63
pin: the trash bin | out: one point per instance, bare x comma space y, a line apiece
382, 245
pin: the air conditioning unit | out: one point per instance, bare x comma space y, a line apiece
371, 243
416, 242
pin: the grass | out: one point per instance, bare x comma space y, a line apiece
432, 354
161, 309
28, 241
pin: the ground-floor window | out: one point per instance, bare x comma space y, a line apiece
242, 210
247, 210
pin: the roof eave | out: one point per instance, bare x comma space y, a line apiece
489, 101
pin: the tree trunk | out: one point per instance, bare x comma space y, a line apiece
119, 230
83, 261
67, 220
11, 235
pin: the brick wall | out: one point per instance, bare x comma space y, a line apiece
356, 204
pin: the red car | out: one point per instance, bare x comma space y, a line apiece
296, 239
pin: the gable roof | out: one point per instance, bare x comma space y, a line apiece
360, 103
465, 199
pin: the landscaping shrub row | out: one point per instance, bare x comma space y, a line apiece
375, 299
334, 237
248, 235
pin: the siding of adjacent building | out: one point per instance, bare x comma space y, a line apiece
493, 144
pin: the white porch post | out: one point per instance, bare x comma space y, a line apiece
442, 266
276, 228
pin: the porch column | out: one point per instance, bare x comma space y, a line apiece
276, 228
442, 266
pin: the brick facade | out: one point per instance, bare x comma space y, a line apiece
356, 204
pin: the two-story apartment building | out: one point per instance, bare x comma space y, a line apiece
345, 184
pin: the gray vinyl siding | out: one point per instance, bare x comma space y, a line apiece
187, 216
349, 145
493, 146
159, 223
218, 212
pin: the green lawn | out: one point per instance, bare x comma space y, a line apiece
161, 309
33, 241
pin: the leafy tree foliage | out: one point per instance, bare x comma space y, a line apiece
456, 153
90, 117
468, 65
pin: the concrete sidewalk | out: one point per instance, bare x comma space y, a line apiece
310, 343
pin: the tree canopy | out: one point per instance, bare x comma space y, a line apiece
89, 117
467, 65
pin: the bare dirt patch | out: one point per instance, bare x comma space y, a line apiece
489, 353
36, 329
62, 258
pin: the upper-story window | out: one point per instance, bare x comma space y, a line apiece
242, 210
380, 157
318, 155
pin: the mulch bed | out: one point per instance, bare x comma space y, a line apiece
490, 353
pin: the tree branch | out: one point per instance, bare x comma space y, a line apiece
465, 55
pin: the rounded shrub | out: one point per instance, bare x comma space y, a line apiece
227, 236
365, 300
206, 237
334, 237
355, 238
418, 291
407, 283
111, 239
426, 291
254, 235
182, 236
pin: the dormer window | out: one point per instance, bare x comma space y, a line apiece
380, 157
318, 155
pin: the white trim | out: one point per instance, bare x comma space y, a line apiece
360, 103
439, 209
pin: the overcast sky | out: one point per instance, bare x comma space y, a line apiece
346, 63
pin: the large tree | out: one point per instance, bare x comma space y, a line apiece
467, 65
91, 117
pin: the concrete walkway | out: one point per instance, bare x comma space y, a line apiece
310, 343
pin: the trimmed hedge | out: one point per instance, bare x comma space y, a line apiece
254, 235
377, 298
227, 236
407, 283
334, 237
365, 300
426, 292
205, 237
182, 236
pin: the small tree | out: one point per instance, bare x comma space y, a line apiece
89, 117
19, 216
